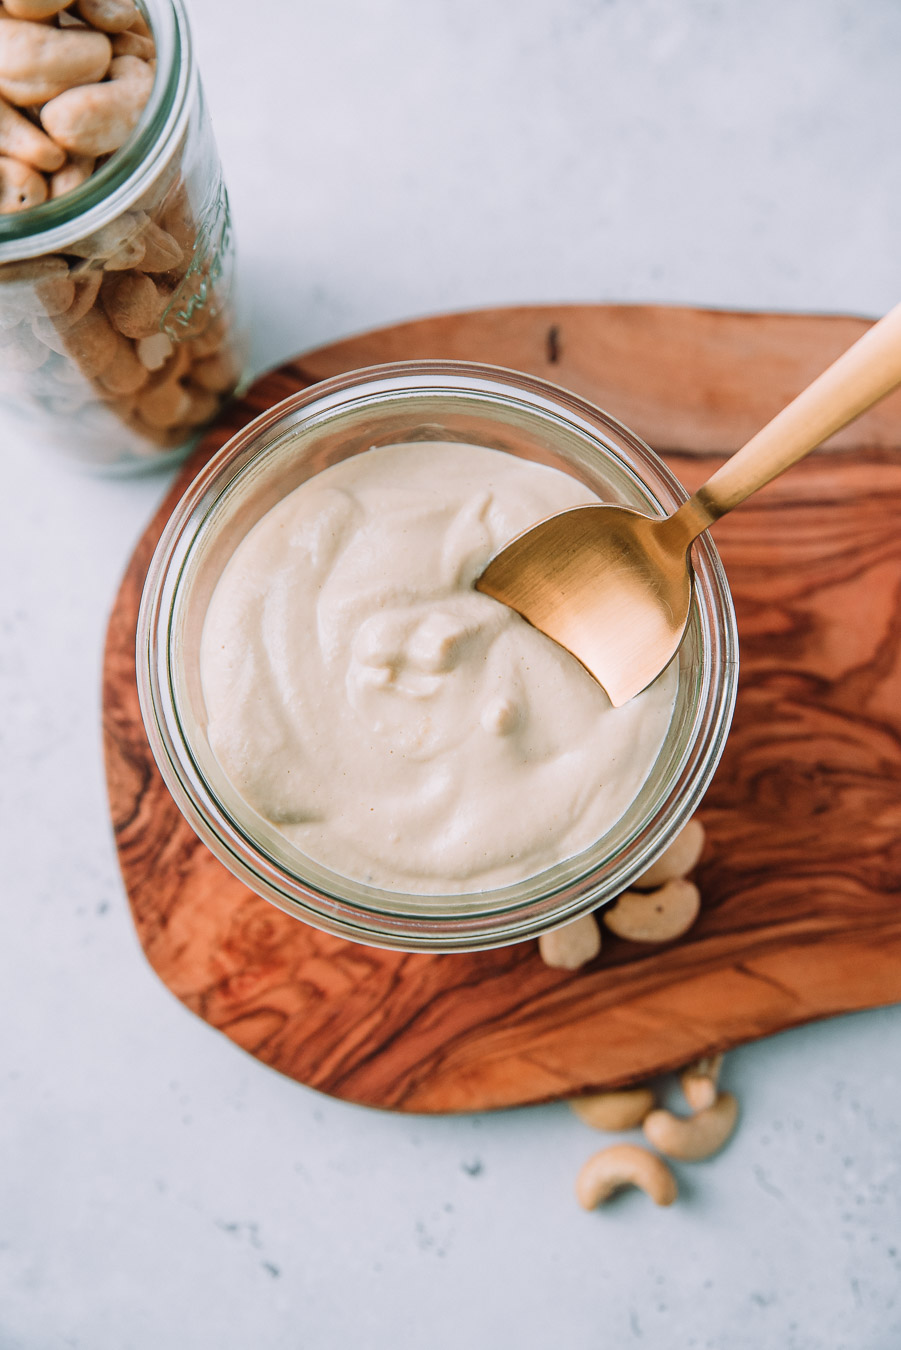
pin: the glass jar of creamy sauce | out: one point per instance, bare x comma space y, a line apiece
235, 786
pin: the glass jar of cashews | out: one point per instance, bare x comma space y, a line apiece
118, 339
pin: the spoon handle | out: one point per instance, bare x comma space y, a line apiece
860, 377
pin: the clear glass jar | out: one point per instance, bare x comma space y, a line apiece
409, 401
117, 332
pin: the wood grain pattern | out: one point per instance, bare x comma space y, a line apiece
801, 876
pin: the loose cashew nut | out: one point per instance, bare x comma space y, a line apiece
678, 859
20, 186
694, 1137
621, 1109
571, 946
654, 916
699, 1081
624, 1165
38, 62
94, 119
23, 140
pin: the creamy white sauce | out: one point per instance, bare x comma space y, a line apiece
390, 721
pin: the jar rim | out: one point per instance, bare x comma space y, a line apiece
53, 225
415, 922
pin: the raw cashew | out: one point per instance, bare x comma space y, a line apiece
154, 352
91, 343
161, 252
654, 916
624, 1165
216, 373
571, 946
84, 289
97, 118
692, 1138
204, 406
210, 340
113, 16
20, 186
699, 1081
36, 286
38, 62
34, 9
124, 375
132, 44
71, 175
621, 1109
23, 140
678, 859
112, 239
132, 303
164, 405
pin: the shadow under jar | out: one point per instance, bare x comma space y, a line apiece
117, 332
440, 402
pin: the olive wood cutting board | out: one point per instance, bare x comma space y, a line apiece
802, 871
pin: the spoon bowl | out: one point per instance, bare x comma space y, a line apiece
601, 581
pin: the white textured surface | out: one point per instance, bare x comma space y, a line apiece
158, 1188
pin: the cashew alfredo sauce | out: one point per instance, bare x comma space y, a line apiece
391, 722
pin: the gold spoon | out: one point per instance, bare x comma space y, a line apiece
613, 586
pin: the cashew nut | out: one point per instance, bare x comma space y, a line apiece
124, 375
20, 186
94, 119
154, 352
216, 373
654, 916
164, 405
694, 1137
85, 287
621, 1109
132, 44
678, 859
36, 286
113, 239
624, 1165
38, 62
23, 140
34, 9
132, 303
71, 175
91, 343
699, 1081
161, 252
204, 406
571, 946
113, 16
